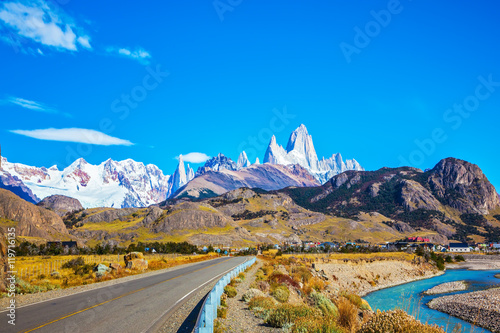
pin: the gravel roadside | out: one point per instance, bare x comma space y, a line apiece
239, 318
26, 299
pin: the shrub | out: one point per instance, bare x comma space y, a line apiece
302, 274
230, 291
448, 259
263, 286
281, 278
267, 270
314, 284
262, 302
74, 263
324, 304
281, 294
83, 269
396, 321
221, 312
316, 325
459, 258
286, 314
241, 276
251, 293
259, 275
347, 314
353, 298
262, 306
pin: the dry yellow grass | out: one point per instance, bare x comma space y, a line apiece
37, 272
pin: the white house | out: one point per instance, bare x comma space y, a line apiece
458, 247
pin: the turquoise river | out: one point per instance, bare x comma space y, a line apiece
410, 298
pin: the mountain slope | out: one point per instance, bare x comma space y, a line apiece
300, 150
265, 176
451, 198
30, 220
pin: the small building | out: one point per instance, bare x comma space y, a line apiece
458, 247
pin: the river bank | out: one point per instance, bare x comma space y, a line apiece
476, 262
411, 297
481, 308
363, 277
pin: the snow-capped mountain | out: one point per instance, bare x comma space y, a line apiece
180, 177
110, 184
300, 150
217, 163
243, 161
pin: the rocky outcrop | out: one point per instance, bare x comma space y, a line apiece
190, 215
31, 220
415, 196
60, 204
110, 215
463, 186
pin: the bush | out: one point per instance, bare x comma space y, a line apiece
316, 325
396, 321
448, 259
263, 286
302, 274
324, 304
241, 276
281, 294
286, 314
262, 306
251, 293
74, 263
221, 312
348, 314
230, 291
459, 258
281, 278
315, 284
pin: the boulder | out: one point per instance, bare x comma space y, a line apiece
135, 260
101, 270
115, 267
137, 264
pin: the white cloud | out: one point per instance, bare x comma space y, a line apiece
194, 157
84, 41
38, 22
80, 135
32, 105
138, 54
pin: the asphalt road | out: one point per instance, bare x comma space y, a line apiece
140, 305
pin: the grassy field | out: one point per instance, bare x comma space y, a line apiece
43, 273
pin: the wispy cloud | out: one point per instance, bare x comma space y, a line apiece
194, 157
80, 135
32, 105
138, 54
37, 22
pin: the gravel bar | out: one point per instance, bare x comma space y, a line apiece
447, 287
481, 308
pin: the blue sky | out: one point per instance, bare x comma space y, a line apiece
385, 82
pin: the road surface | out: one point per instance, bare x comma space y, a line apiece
140, 305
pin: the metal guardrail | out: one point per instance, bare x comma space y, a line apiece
208, 313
